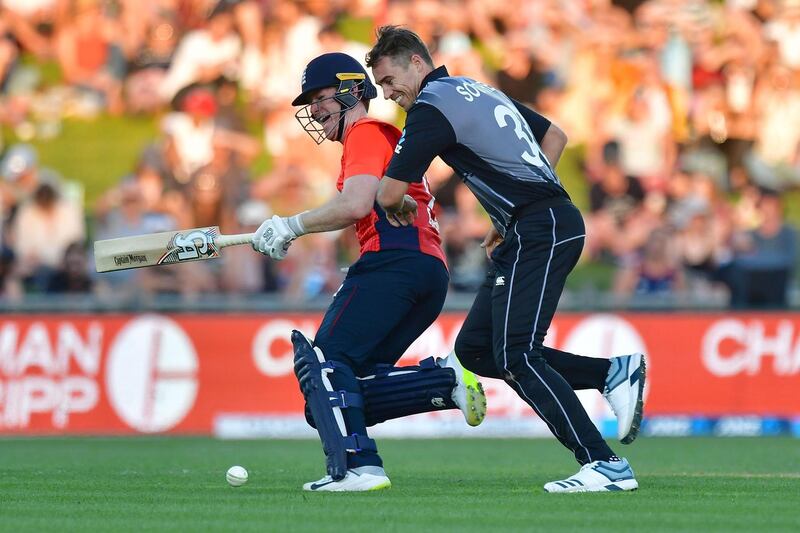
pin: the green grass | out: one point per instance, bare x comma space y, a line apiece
457, 485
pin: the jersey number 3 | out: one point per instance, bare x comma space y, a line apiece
533, 156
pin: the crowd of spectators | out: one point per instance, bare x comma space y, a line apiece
684, 116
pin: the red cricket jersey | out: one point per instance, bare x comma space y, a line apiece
368, 148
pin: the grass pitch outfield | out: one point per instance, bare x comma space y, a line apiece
178, 484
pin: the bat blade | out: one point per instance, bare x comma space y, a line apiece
154, 249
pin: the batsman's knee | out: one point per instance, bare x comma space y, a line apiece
391, 392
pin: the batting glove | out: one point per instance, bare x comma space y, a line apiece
276, 234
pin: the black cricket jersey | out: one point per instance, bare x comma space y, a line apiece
489, 139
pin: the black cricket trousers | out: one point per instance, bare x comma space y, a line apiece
540, 249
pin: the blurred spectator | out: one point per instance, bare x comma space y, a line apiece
765, 258
612, 200
697, 246
73, 275
204, 54
8, 54
312, 271
149, 63
156, 193
775, 160
33, 23
704, 224
242, 271
190, 134
10, 288
785, 30
126, 213
462, 235
249, 21
654, 269
518, 77
90, 55
217, 189
193, 133
41, 231
21, 175
646, 149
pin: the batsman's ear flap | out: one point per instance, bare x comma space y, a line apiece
360, 80
348, 94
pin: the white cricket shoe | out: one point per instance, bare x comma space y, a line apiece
598, 476
624, 392
468, 393
359, 479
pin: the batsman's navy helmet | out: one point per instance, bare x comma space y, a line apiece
336, 70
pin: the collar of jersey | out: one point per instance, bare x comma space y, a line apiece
435, 74
362, 120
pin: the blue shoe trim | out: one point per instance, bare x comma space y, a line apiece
618, 372
623, 471
613, 488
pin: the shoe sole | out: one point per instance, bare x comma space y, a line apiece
475, 409
381, 486
625, 485
638, 411
476, 399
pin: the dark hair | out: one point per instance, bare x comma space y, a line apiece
45, 194
768, 192
399, 44
611, 152
223, 7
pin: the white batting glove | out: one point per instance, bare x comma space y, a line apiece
276, 234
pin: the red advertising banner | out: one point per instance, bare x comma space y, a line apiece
124, 374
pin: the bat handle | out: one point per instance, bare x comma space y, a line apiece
230, 240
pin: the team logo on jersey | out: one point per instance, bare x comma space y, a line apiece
500, 281
400, 143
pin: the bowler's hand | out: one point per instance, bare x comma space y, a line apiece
406, 215
273, 238
491, 241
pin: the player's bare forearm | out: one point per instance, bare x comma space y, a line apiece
332, 216
553, 144
391, 193
400, 208
354, 203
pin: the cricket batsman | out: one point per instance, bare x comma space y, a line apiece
391, 294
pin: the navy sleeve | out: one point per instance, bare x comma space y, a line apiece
427, 134
539, 125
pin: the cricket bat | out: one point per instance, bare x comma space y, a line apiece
164, 248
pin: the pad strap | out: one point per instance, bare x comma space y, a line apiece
360, 443
344, 399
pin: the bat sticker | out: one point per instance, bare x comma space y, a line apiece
190, 247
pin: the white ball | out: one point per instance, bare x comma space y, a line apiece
236, 476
